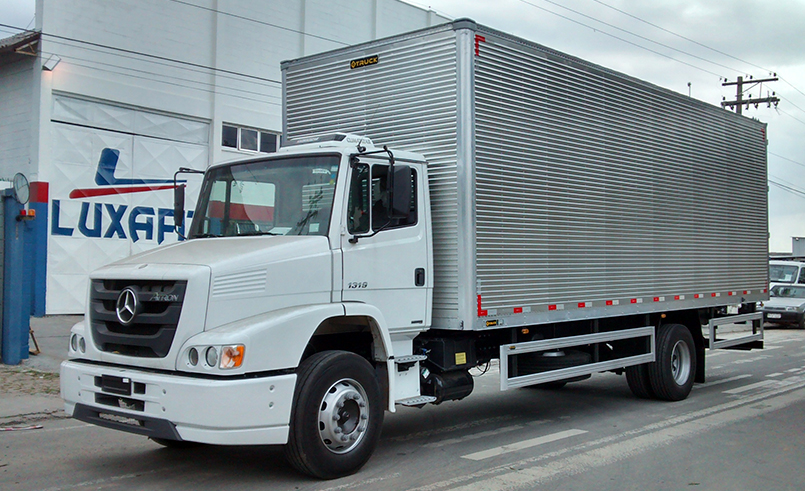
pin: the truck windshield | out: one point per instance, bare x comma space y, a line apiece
284, 196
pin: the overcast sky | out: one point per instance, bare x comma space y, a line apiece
671, 43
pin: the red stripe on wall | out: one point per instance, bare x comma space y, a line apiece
39, 192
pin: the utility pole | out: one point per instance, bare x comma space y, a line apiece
739, 92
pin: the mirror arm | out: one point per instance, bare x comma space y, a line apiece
178, 199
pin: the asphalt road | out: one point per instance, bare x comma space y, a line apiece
742, 430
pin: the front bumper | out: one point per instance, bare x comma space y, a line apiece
782, 316
241, 411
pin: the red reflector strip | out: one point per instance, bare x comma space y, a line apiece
609, 302
518, 310
656, 299
551, 307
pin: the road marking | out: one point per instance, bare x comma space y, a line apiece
462, 426
723, 381
364, 482
476, 436
615, 448
98, 482
793, 370
514, 447
746, 388
778, 374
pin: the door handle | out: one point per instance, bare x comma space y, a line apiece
419, 277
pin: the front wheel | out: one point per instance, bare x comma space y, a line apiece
672, 375
336, 415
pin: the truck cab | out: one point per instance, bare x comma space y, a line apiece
304, 278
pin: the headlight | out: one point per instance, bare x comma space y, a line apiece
192, 357
211, 356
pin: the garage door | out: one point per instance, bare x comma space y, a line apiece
111, 175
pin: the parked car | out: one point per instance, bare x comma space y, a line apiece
786, 305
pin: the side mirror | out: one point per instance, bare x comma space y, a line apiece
401, 192
178, 205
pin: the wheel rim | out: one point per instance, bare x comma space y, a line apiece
680, 362
343, 416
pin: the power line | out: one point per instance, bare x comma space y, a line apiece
183, 81
791, 103
189, 69
150, 79
792, 86
248, 19
621, 39
681, 36
153, 56
792, 117
636, 35
792, 190
786, 158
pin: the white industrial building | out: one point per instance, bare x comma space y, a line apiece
106, 99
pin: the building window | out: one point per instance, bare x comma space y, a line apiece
230, 137
248, 139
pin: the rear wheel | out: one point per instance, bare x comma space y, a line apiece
672, 375
336, 415
639, 383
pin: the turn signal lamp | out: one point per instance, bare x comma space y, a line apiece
232, 356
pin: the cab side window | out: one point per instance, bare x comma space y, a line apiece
368, 205
801, 278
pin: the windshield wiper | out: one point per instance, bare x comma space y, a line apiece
301, 223
257, 232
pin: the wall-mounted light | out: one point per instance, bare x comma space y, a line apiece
51, 63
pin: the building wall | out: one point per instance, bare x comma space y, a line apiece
16, 123
200, 64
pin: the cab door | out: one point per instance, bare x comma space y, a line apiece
385, 261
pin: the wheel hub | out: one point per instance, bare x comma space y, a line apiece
680, 362
343, 416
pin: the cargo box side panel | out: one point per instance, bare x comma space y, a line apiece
407, 100
601, 195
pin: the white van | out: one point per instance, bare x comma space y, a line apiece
786, 272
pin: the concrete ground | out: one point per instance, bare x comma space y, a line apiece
29, 392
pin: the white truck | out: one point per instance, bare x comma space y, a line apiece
514, 204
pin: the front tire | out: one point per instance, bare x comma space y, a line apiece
672, 375
336, 415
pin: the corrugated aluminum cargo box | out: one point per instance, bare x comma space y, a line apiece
560, 189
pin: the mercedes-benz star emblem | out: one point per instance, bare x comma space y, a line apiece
127, 306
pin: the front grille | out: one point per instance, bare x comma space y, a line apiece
150, 333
